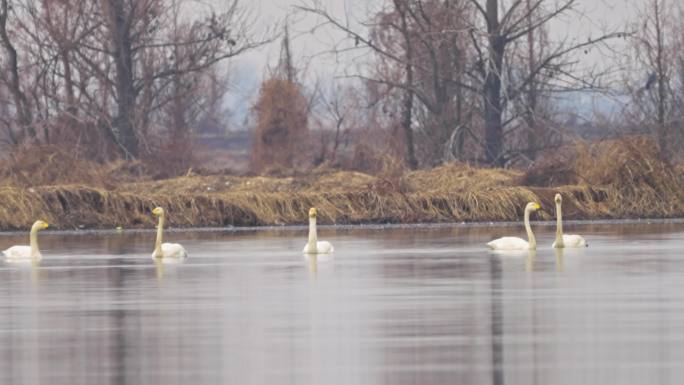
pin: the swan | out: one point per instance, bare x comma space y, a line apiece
170, 252
515, 243
314, 246
27, 253
564, 240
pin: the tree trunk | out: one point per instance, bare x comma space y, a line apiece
69, 85
662, 91
492, 91
407, 102
406, 118
533, 134
124, 130
336, 141
20, 101
460, 136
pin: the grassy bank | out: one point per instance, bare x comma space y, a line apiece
612, 179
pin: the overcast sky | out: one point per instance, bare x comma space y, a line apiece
599, 15
309, 45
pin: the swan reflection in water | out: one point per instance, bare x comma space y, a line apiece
529, 260
319, 264
313, 264
159, 269
559, 260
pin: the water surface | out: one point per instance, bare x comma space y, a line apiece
402, 305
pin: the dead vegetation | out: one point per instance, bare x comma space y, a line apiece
612, 179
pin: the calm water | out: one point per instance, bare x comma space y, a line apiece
421, 305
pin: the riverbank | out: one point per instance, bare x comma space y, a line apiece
606, 180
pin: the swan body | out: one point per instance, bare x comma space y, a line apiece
27, 253
169, 252
173, 251
509, 243
515, 243
21, 254
321, 247
571, 240
565, 240
314, 246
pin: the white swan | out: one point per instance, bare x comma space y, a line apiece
27, 253
563, 240
314, 246
515, 243
170, 252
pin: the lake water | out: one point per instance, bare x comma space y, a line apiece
401, 305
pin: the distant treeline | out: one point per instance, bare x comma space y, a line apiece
428, 81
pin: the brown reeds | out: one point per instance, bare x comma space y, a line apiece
623, 178
615, 179
46, 165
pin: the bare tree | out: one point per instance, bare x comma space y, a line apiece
445, 53
134, 29
407, 102
21, 103
339, 112
503, 24
654, 60
110, 69
420, 50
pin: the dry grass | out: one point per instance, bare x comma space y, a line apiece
47, 165
679, 170
454, 178
606, 180
613, 179
51, 165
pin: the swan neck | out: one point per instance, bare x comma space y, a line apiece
528, 229
559, 226
160, 231
313, 237
33, 242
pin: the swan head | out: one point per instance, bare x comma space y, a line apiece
532, 206
158, 211
40, 225
312, 212
558, 199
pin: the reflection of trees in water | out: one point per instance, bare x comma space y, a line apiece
143, 339
117, 244
127, 243
497, 316
21, 349
118, 317
496, 320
